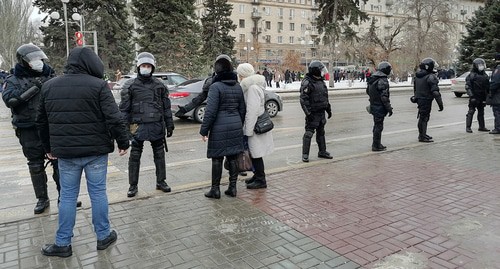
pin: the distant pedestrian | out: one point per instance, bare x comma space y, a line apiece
380, 104
118, 75
426, 90
477, 85
78, 119
260, 145
146, 108
222, 124
494, 94
22, 95
267, 75
314, 102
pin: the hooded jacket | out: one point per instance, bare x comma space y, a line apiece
378, 90
253, 87
78, 115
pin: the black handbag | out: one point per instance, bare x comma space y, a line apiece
264, 123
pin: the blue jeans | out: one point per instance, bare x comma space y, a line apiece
70, 170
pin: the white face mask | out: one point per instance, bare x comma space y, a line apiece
145, 71
480, 67
37, 65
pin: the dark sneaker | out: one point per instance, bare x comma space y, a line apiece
78, 203
105, 243
55, 250
428, 137
483, 129
132, 191
379, 148
162, 185
325, 155
41, 205
494, 131
425, 139
305, 158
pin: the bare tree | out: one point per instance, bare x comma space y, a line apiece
15, 28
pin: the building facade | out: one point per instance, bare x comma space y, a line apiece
268, 29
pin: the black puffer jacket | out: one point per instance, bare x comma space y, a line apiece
378, 90
224, 116
78, 115
494, 89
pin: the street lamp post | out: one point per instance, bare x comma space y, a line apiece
248, 48
306, 44
76, 17
64, 2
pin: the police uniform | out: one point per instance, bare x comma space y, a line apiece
314, 103
22, 95
146, 107
477, 84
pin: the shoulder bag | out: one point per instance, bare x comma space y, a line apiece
264, 123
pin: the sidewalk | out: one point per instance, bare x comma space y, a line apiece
426, 206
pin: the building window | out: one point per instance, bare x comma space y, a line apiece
242, 38
302, 27
268, 25
303, 13
242, 23
291, 40
242, 9
292, 26
280, 40
280, 12
292, 13
268, 39
267, 11
280, 26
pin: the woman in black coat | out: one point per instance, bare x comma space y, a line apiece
223, 124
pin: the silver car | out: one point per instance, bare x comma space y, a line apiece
458, 84
183, 93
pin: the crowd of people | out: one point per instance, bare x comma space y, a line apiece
73, 122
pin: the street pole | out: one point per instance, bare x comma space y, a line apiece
66, 25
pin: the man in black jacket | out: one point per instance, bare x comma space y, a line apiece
314, 103
494, 94
476, 84
426, 90
77, 120
21, 95
146, 107
380, 105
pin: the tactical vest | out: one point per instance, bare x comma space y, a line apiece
318, 96
23, 115
423, 89
147, 101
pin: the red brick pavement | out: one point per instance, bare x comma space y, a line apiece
409, 201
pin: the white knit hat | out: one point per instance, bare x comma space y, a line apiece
245, 70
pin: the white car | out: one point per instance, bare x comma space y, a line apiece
458, 84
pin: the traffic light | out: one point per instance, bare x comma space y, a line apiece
79, 38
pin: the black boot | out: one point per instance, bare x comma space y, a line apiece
378, 127
322, 147
260, 175
39, 181
134, 164
233, 177
480, 120
214, 191
306, 145
422, 129
161, 170
468, 122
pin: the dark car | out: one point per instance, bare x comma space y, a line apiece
170, 79
183, 93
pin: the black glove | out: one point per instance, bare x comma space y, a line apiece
329, 112
180, 112
390, 112
170, 131
441, 107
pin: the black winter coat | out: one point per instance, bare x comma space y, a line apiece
477, 84
78, 115
494, 89
378, 90
224, 116
314, 95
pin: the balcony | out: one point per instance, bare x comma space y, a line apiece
256, 31
256, 15
255, 2
389, 2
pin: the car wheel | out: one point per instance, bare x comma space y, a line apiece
457, 94
199, 113
272, 108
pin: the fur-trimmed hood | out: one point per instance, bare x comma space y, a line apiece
255, 79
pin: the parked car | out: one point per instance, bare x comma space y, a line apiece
183, 93
458, 84
170, 79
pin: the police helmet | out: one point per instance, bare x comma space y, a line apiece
478, 64
428, 64
384, 67
29, 52
317, 69
146, 58
223, 63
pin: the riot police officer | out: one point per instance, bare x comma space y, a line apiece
146, 107
380, 104
477, 84
21, 95
314, 102
426, 90
494, 94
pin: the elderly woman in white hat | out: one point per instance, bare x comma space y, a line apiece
259, 145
